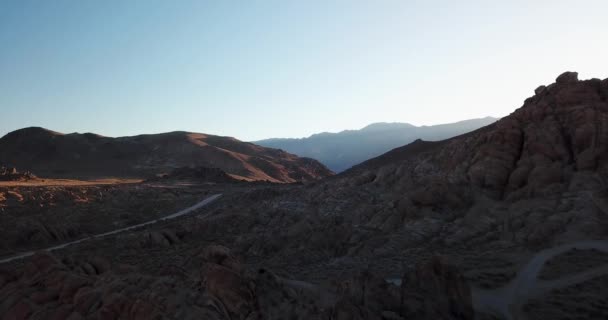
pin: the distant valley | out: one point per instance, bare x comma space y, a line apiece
342, 150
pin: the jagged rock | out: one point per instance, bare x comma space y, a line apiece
234, 291
159, 239
540, 90
567, 77
371, 292
222, 256
224, 293
441, 292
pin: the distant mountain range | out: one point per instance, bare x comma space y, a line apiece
342, 150
56, 155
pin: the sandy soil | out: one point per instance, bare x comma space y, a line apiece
67, 182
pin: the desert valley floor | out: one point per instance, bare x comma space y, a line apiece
565, 281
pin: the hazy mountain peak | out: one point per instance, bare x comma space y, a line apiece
378, 126
340, 151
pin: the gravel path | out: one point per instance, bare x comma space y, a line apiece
508, 300
188, 210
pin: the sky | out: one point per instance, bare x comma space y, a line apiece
261, 69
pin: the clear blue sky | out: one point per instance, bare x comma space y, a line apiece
259, 69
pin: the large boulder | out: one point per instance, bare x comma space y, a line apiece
567, 77
436, 290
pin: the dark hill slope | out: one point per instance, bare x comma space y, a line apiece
89, 155
558, 133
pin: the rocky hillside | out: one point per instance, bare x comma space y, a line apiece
52, 154
342, 150
532, 178
198, 174
215, 285
488, 200
506, 222
173, 270
558, 137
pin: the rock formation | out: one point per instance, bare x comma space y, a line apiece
47, 288
11, 174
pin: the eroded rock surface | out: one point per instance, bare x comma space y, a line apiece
48, 288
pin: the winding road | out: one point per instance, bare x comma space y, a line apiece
508, 300
505, 302
188, 210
